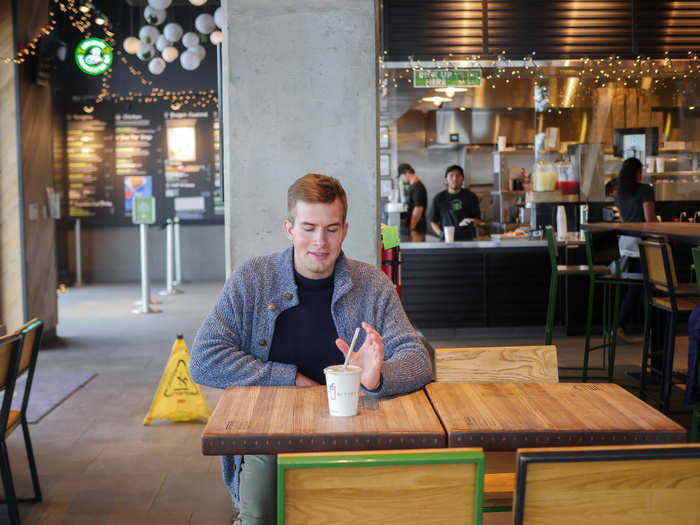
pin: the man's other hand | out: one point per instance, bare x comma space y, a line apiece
369, 357
302, 380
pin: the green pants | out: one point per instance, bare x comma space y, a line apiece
258, 490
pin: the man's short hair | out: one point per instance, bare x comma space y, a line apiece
403, 168
313, 188
454, 167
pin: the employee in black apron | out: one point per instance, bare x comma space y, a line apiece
456, 207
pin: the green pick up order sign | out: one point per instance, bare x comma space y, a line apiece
435, 78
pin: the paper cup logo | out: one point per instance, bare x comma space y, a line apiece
93, 56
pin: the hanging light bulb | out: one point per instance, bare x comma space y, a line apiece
216, 37
159, 4
154, 16
162, 43
204, 23
170, 54
131, 44
190, 39
173, 31
156, 66
149, 34
189, 60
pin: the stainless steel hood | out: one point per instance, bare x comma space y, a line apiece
478, 126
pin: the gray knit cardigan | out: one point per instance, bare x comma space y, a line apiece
232, 346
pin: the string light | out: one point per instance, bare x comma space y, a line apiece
601, 72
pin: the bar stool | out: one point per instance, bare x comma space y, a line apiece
695, 419
602, 247
664, 294
559, 270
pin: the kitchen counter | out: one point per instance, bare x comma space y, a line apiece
573, 238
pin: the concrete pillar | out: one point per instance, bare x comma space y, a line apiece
299, 96
12, 293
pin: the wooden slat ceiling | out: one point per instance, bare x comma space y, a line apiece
553, 29
671, 26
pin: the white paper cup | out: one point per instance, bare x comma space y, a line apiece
660, 164
449, 233
343, 387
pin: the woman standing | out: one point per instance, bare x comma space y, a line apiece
636, 204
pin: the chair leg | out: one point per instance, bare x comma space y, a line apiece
695, 422
589, 324
645, 352
551, 306
667, 371
30, 459
613, 335
8, 485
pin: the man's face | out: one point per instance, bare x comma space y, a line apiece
317, 234
454, 180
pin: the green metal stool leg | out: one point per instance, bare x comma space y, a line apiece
589, 323
551, 305
613, 334
694, 423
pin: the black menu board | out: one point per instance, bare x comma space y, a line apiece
90, 164
117, 152
138, 136
189, 163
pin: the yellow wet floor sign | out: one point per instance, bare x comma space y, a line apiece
178, 397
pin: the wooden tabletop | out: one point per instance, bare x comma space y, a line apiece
684, 231
268, 420
507, 416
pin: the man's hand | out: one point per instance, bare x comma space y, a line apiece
369, 357
302, 380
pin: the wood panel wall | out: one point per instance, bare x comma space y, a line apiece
37, 175
11, 295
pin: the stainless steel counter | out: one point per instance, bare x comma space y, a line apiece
574, 238
472, 244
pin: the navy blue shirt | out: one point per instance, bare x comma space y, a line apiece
305, 334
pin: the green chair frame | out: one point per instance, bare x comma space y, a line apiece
378, 459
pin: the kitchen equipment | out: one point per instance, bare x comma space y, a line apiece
545, 177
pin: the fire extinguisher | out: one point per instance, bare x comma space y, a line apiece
391, 261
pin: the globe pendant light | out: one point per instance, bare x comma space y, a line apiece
204, 23
170, 54
131, 44
156, 66
172, 31
189, 60
190, 39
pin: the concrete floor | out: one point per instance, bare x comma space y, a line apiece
98, 464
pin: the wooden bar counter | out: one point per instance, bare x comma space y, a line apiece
269, 420
682, 231
508, 416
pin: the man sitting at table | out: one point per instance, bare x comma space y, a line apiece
282, 318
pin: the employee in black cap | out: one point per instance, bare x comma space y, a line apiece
456, 207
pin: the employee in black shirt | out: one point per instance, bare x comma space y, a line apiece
417, 200
635, 202
452, 206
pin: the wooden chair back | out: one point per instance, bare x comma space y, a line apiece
508, 363
658, 266
10, 347
30, 345
640, 485
31, 339
432, 486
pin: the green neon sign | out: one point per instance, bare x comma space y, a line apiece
436, 78
93, 56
